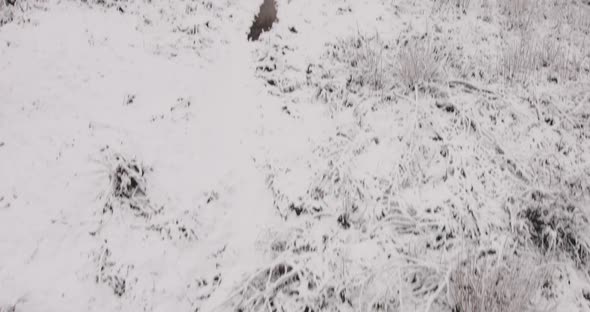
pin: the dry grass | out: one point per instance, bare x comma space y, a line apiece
519, 60
531, 57
496, 283
487, 11
550, 52
520, 14
127, 185
451, 5
419, 62
366, 59
557, 226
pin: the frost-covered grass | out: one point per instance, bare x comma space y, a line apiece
440, 156
360, 156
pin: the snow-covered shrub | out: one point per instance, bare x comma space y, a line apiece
127, 185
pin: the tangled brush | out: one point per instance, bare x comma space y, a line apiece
557, 227
127, 185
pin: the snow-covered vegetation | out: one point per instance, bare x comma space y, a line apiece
355, 155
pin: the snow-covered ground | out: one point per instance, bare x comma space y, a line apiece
356, 158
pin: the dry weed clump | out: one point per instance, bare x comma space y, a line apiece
557, 227
127, 185
419, 62
368, 61
496, 282
364, 61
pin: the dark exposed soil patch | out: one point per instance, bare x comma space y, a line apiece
264, 20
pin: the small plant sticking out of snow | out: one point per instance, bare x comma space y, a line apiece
127, 185
366, 59
519, 60
495, 282
419, 62
112, 274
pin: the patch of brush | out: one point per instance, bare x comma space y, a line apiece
351, 67
18, 11
119, 5
111, 273
331, 187
498, 279
298, 278
127, 186
182, 228
380, 222
366, 58
557, 226
195, 27
362, 67
276, 68
319, 266
202, 288
288, 200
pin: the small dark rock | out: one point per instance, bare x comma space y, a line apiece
264, 20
